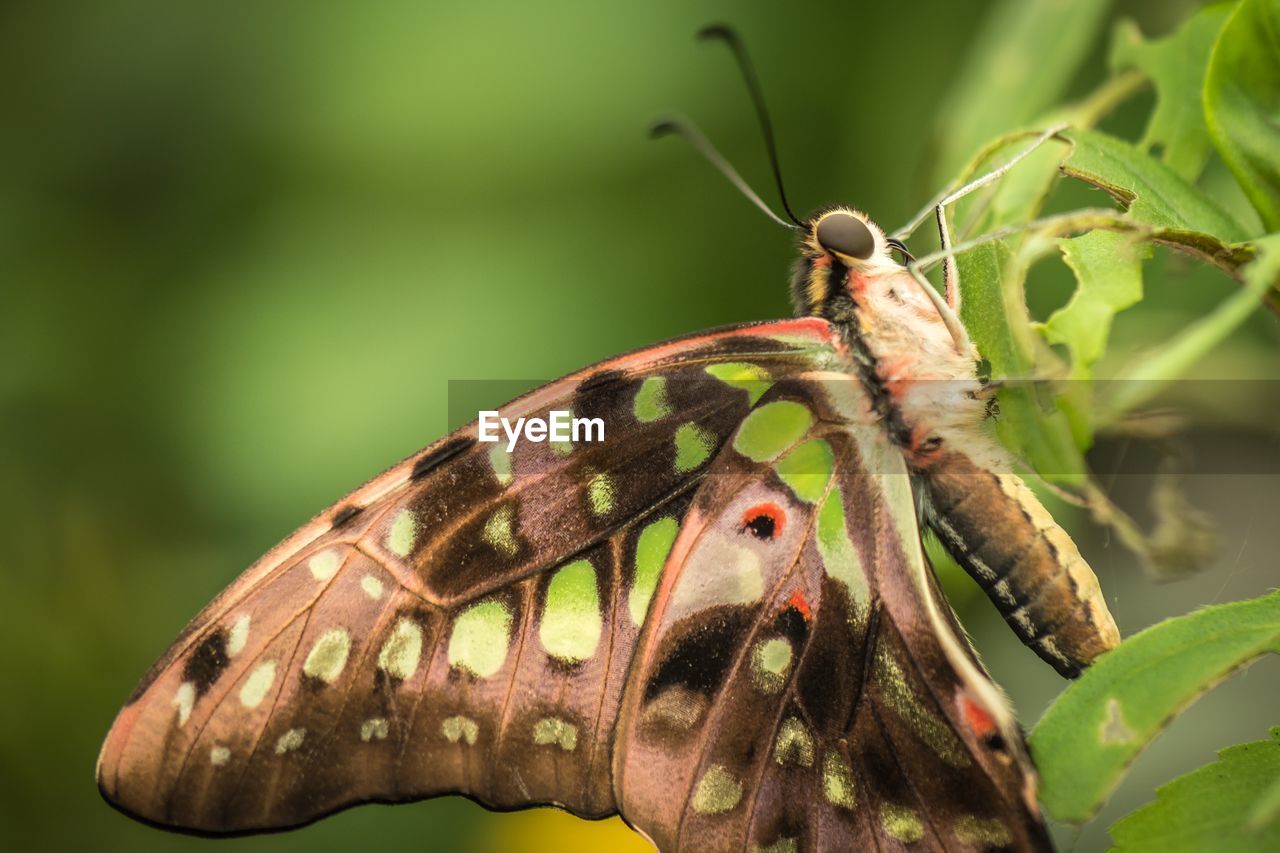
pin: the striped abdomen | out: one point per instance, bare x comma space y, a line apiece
996, 528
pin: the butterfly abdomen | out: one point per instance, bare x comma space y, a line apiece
997, 529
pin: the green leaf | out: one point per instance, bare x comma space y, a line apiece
1266, 808
1151, 192
1242, 103
1176, 66
1108, 271
1021, 61
994, 312
999, 326
1086, 740
1177, 356
1208, 809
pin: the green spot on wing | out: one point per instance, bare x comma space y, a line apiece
837, 780
771, 661
498, 531
752, 378
571, 622
651, 402
807, 470
839, 557
769, 430
652, 548
989, 832
500, 461
718, 792
600, 494
694, 444
481, 635
403, 531
901, 823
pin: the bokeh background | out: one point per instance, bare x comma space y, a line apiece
246, 247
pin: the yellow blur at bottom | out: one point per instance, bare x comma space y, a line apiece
540, 830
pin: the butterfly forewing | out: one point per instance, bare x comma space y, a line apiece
462, 623
777, 700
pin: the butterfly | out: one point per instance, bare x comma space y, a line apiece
717, 621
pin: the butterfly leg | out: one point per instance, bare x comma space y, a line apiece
950, 271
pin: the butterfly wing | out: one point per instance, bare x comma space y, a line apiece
462, 623
800, 684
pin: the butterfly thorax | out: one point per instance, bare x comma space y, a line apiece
925, 390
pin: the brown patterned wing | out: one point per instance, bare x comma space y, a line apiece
800, 684
462, 623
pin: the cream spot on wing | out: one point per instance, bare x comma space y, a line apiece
794, 744
719, 571
290, 740
324, 565
183, 700
460, 728
328, 656
837, 780
718, 791
403, 533
257, 684
219, 756
239, 635
375, 727
402, 650
553, 730
675, 708
372, 587
499, 533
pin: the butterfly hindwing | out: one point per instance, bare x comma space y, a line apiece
800, 685
462, 623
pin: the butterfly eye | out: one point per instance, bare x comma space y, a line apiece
846, 234
764, 521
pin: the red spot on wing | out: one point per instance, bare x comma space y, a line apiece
798, 603
764, 521
977, 718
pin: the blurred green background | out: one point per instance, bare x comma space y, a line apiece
247, 246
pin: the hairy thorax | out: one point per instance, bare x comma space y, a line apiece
932, 386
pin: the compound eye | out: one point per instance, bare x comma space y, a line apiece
846, 234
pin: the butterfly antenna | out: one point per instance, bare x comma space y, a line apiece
726, 34
696, 138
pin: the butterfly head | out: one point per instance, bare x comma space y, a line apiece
839, 246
